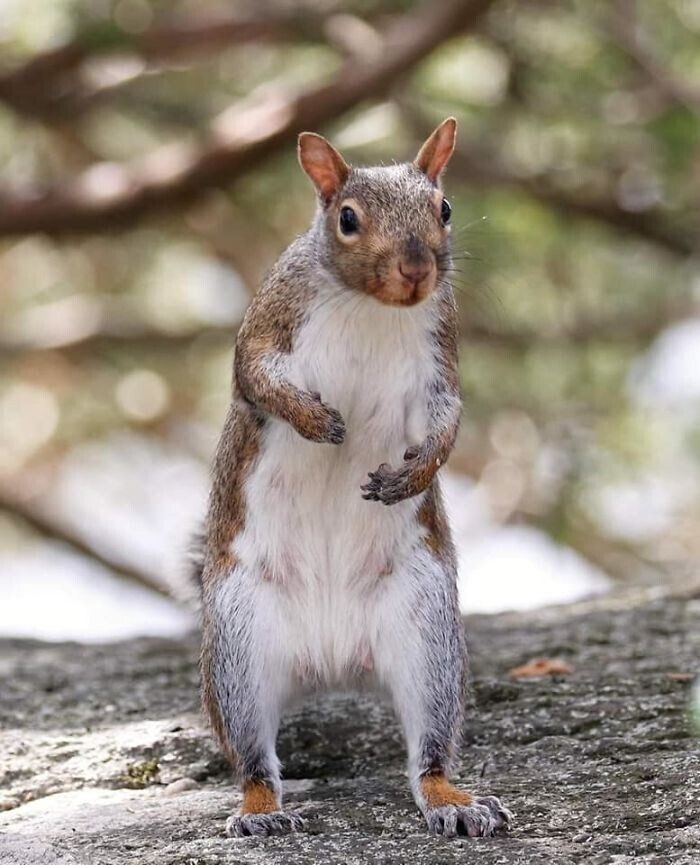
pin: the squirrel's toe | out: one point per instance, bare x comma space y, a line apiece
501, 816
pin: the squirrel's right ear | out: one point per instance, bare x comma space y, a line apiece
324, 165
437, 149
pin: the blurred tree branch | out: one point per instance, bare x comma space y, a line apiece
469, 163
51, 84
109, 195
629, 36
135, 338
481, 166
43, 523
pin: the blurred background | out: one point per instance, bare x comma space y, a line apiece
149, 178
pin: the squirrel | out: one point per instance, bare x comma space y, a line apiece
326, 557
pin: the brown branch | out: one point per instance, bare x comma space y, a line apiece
105, 197
49, 84
39, 520
104, 339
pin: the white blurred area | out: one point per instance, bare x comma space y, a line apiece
49, 593
511, 567
664, 386
137, 500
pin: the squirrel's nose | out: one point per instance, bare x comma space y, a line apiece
415, 272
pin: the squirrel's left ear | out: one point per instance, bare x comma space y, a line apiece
324, 165
437, 150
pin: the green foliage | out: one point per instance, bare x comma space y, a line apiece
140, 775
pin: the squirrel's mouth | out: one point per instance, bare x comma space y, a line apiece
404, 287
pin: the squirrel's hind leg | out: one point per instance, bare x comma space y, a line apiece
245, 684
421, 658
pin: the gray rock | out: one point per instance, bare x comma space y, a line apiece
182, 785
109, 762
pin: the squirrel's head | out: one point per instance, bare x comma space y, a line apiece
387, 227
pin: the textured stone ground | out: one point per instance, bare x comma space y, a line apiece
104, 758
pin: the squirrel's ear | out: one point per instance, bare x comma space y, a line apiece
437, 150
324, 165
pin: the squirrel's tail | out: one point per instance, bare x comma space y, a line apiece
186, 578
195, 559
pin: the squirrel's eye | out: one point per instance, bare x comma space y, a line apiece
445, 212
348, 221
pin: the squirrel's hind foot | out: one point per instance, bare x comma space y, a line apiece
483, 818
272, 823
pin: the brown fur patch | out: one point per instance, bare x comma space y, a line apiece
437, 791
443, 401
237, 451
432, 517
446, 337
266, 336
259, 798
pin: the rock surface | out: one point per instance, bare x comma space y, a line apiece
105, 760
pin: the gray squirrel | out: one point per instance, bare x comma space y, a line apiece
314, 572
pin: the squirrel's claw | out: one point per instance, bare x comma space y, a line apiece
390, 486
336, 433
322, 423
387, 485
373, 488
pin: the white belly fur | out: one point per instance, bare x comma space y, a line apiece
321, 554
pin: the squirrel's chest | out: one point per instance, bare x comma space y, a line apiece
369, 361
306, 520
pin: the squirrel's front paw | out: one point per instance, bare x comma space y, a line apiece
390, 486
321, 423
